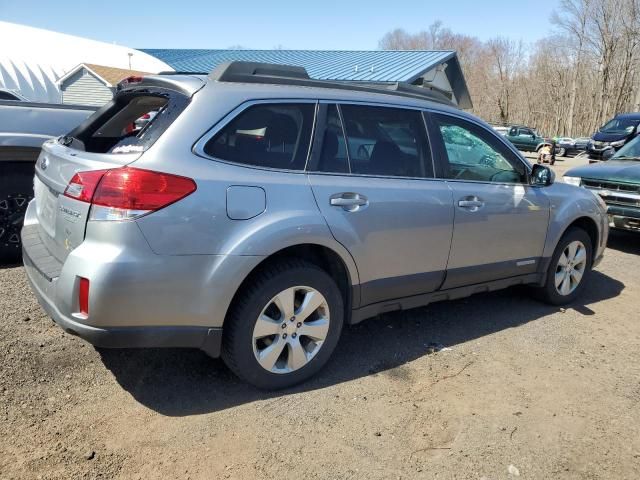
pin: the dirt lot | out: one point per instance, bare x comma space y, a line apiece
520, 389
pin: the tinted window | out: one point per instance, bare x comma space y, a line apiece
333, 157
266, 135
8, 96
474, 153
620, 125
386, 141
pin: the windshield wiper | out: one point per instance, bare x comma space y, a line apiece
625, 157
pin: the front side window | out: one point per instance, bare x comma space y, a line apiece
266, 135
386, 141
477, 155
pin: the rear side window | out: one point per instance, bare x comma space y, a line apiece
131, 122
266, 135
386, 141
333, 156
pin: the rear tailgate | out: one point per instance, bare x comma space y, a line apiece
62, 220
109, 139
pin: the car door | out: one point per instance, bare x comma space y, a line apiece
500, 220
371, 172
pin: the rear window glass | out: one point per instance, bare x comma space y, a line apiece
266, 135
131, 122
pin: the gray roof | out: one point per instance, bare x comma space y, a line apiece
341, 65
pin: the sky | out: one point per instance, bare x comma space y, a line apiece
266, 24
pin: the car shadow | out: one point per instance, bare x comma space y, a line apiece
623, 241
177, 382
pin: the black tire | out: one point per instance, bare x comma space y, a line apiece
548, 292
562, 152
238, 341
16, 190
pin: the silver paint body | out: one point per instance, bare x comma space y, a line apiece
182, 265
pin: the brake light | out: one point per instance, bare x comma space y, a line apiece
126, 193
83, 185
83, 296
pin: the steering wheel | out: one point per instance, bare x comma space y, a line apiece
488, 160
460, 173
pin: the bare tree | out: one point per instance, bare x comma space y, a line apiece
569, 83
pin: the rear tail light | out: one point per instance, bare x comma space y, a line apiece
126, 193
83, 185
83, 296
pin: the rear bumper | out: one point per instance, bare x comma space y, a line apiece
136, 297
203, 338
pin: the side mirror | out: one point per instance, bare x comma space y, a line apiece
542, 176
608, 153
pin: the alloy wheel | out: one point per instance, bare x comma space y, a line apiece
12, 210
570, 268
291, 329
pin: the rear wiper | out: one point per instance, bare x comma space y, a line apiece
66, 140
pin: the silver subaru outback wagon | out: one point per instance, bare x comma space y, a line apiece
258, 211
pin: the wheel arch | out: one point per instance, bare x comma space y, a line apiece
342, 270
590, 227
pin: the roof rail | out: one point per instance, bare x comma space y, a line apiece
241, 71
177, 72
268, 73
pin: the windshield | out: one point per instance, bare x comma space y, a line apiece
631, 151
619, 125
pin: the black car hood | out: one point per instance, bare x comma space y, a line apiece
627, 171
609, 137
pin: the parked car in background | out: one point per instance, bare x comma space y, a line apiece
617, 181
615, 134
525, 138
24, 126
260, 212
581, 143
502, 130
566, 146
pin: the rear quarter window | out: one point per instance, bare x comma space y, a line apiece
266, 135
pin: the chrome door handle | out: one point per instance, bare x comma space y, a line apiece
349, 201
472, 204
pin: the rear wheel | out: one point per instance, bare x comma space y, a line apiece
284, 325
16, 190
569, 268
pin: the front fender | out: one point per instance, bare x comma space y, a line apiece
568, 204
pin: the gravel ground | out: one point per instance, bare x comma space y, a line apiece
493, 386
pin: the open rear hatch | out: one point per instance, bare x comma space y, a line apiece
113, 137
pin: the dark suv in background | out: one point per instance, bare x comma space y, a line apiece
614, 134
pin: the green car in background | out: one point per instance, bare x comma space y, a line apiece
525, 138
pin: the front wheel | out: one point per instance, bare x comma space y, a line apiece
569, 268
284, 325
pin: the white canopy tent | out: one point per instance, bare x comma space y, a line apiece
32, 60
